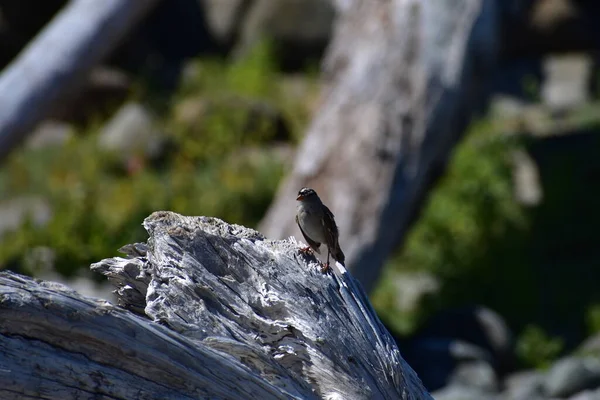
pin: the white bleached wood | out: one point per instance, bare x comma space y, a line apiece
216, 311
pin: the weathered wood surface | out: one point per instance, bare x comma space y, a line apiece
56, 63
214, 311
401, 80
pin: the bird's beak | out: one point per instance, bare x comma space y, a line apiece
300, 197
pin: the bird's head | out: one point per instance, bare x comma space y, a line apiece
306, 194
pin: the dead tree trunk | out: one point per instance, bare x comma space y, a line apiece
211, 310
57, 62
401, 79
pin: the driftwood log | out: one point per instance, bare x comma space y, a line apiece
402, 78
56, 63
206, 310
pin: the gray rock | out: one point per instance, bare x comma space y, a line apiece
49, 134
587, 395
526, 177
412, 287
131, 130
503, 107
477, 375
437, 359
572, 375
525, 385
223, 17
458, 392
15, 211
591, 345
567, 81
477, 325
40, 260
464, 351
301, 25
103, 88
190, 111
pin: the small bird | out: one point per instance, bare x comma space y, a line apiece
317, 225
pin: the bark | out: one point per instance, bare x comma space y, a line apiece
208, 310
55, 65
401, 80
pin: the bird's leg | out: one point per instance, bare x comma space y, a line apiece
325, 268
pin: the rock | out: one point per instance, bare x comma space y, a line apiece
40, 261
587, 395
49, 134
131, 130
571, 375
552, 26
549, 13
223, 17
477, 375
477, 325
190, 111
101, 93
526, 385
567, 81
457, 392
411, 287
300, 28
526, 177
15, 211
590, 346
436, 359
504, 107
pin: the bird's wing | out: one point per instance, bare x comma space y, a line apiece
314, 245
330, 228
332, 235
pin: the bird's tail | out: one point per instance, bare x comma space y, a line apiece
338, 255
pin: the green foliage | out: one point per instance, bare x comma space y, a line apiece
593, 318
531, 88
537, 349
469, 236
255, 77
534, 265
220, 164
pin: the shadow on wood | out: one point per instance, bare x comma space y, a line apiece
213, 310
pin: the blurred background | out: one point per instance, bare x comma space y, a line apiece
200, 109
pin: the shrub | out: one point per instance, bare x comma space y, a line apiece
98, 204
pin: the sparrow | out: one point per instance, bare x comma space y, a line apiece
317, 224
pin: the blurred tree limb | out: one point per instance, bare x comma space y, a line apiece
55, 64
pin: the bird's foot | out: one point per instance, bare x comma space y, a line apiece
306, 250
325, 268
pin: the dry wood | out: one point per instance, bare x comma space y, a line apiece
214, 311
